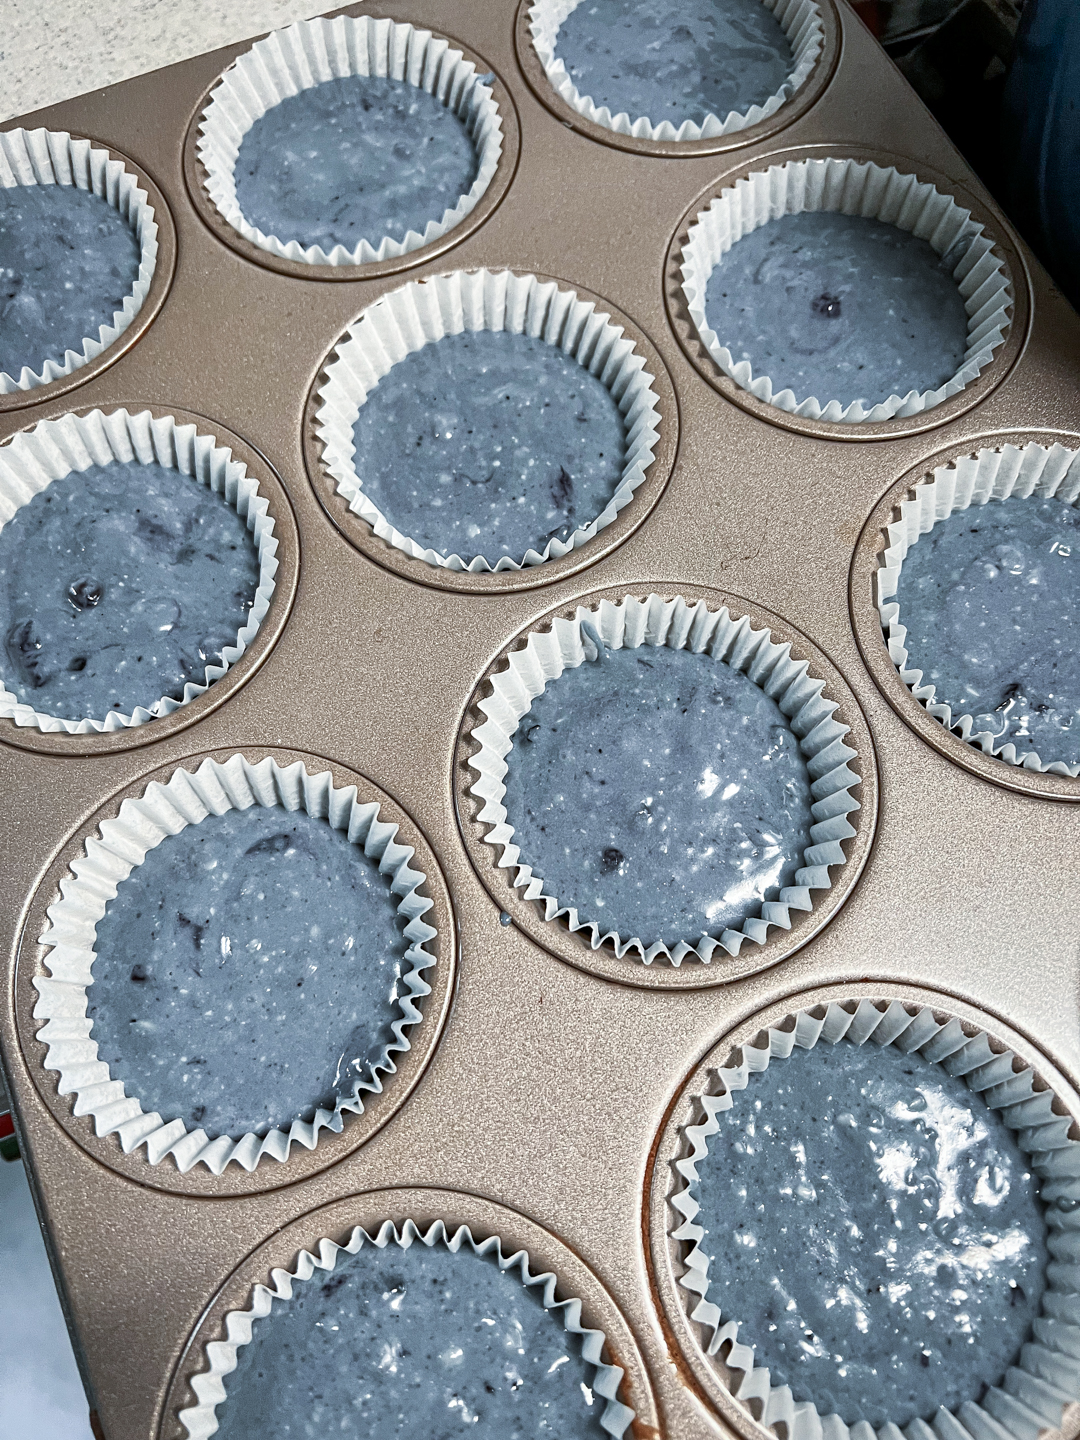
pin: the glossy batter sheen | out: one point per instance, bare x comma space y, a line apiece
416, 1344
874, 1228
118, 586
489, 443
247, 971
353, 159
660, 792
840, 308
991, 601
674, 60
67, 262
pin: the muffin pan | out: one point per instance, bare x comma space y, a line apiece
543, 1097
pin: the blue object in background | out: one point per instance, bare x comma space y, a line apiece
1041, 137
41, 1395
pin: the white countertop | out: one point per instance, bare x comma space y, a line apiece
52, 50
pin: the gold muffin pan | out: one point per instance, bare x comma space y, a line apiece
539, 1102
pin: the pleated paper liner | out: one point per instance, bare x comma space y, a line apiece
54, 449
422, 313
875, 185
1017, 464
800, 21
808, 691
1033, 1393
47, 157
310, 1247
813, 31
996, 475
310, 53
57, 1036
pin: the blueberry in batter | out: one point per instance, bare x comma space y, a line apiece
68, 260
247, 971
839, 307
660, 792
875, 1230
489, 443
674, 60
991, 599
118, 585
357, 158
412, 1344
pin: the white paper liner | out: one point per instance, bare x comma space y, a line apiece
1032, 1394
800, 21
57, 448
142, 824
850, 187
972, 480
313, 51
200, 1421
51, 157
679, 625
420, 313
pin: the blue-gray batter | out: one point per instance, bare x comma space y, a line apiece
674, 60
416, 1344
991, 599
353, 159
489, 443
68, 260
875, 1230
660, 792
247, 971
839, 307
118, 585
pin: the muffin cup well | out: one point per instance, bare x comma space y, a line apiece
1034, 1393
311, 52
971, 480
47, 157
850, 187
678, 624
54, 449
144, 822
801, 21
200, 1421
421, 313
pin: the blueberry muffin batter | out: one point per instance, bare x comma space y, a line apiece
660, 792
674, 60
412, 1344
489, 443
991, 599
352, 159
875, 1230
247, 971
839, 307
118, 586
68, 260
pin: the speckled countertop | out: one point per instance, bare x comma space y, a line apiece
52, 50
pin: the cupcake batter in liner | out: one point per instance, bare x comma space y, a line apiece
402, 322
47, 157
602, 1411
1031, 1395
312, 52
675, 623
850, 187
990, 475
55, 449
800, 21
141, 825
